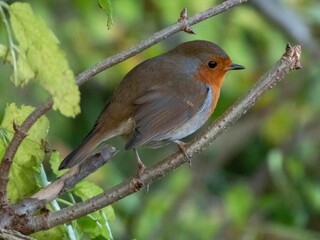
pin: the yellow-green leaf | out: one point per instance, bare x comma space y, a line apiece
106, 6
30, 154
56, 233
86, 190
55, 161
96, 223
25, 72
39, 50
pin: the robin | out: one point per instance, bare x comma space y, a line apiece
161, 100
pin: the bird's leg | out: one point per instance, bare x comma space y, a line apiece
141, 166
137, 182
183, 150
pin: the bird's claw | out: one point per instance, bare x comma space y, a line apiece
182, 148
137, 182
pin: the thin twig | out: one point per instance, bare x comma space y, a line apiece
10, 41
290, 60
184, 20
92, 71
155, 38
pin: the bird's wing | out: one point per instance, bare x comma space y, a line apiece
160, 111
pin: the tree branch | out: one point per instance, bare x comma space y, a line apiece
289, 61
155, 38
86, 75
40, 199
20, 134
13, 235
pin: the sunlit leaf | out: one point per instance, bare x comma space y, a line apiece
86, 190
56, 233
25, 72
97, 223
39, 50
55, 161
29, 155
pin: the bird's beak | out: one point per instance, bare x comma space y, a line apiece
235, 67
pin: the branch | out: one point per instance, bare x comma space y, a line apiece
13, 235
92, 71
157, 37
20, 134
289, 61
40, 199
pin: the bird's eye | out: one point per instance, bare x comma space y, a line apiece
212, 64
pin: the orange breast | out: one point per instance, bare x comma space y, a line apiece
214, 79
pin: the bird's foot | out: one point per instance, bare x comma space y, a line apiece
182, 148
141, 166
137, 180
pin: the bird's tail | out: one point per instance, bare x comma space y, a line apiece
91, 141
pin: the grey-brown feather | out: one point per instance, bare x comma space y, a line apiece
160, 102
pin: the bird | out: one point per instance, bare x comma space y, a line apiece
161, 100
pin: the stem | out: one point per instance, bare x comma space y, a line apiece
10, 41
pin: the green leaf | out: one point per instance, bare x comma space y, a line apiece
90, 226
275, 160
280, 125
238, 203
40, 53
86, 190
96, 223
56, 233
106, 6
312, 191
30, 154
55, 160
3, 50
25, 71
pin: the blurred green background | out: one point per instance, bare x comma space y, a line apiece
261, 179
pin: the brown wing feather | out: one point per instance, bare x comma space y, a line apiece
159, 111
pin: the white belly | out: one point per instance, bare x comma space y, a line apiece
192, 124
